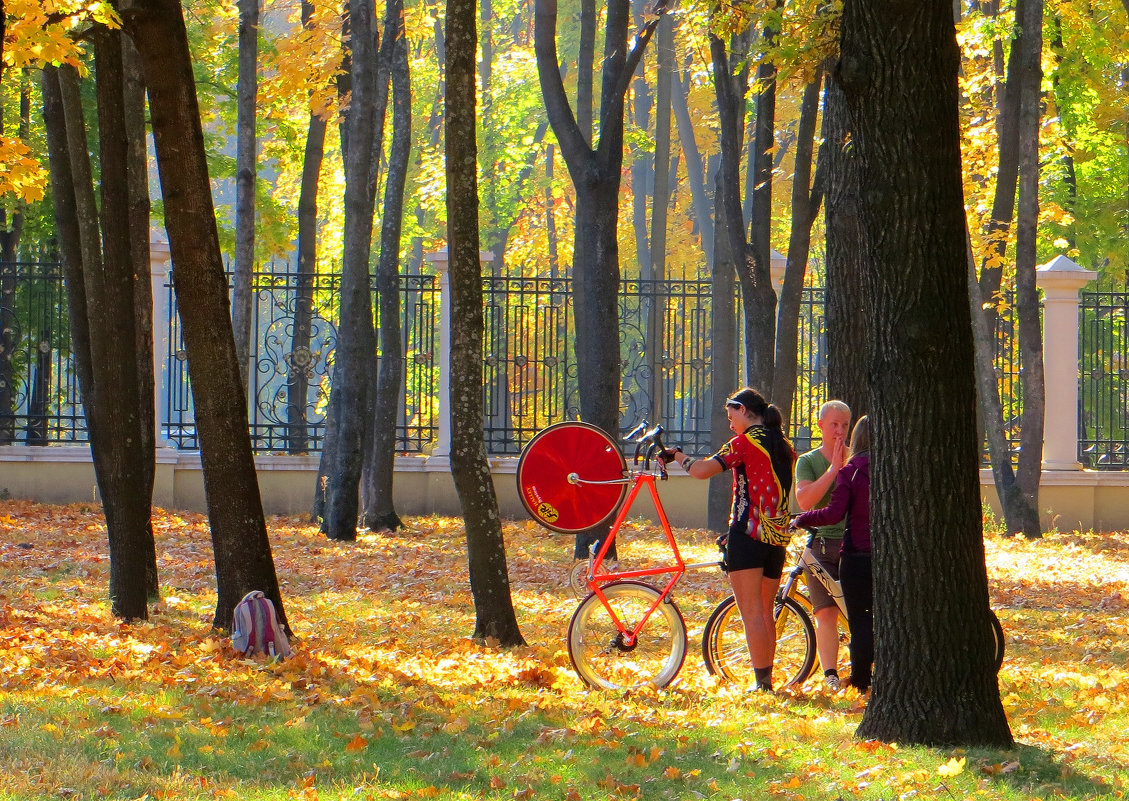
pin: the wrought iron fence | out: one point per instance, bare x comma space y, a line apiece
294, 338
529, 367
1103, 393
39, 399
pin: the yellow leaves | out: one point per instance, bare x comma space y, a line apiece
953, 767
21, 174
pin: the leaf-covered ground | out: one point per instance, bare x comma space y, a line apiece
388, 698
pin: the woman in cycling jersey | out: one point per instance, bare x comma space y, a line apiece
761, 459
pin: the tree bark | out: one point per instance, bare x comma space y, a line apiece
139, 208
235, 512
723, 364
806, 199
495, 620
246, 170
1029, 468
299, 375
899, 70
9, 251
356, 342
380, 513
695, 169
846, 258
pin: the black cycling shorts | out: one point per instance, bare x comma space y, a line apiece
743, 552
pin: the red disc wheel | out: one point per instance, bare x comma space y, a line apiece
572, 449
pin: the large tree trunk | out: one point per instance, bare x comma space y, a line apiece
380, 512
235, 512
300, 374
489, 582
846, 257
246, 170
806, 200
899, 70
356, 342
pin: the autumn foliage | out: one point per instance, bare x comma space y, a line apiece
387, 697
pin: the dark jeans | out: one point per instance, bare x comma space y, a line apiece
856, 576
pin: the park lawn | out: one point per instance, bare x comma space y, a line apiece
388, 698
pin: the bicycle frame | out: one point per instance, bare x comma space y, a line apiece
596, 557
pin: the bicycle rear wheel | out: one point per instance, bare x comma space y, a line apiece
597, 649
998, 638
726, 651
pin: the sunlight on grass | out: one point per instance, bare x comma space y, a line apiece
388, 698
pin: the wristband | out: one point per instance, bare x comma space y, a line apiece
689, 460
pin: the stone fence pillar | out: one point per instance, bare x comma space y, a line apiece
439, 260
1061, 280
160, 270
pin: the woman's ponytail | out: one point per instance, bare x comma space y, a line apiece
772, 417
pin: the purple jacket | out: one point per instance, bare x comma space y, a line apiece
850, 499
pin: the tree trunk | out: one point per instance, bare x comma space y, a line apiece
695, 169
69, 234
246, 170
139, 208
126, 483
9, 254
723, 364
380, 513
301, 372
489, 581
756, 279
235, 512
806, 200
899, 70
356, 341
846, 258
1027, 294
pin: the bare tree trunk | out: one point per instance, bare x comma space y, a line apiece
1027, 295
235, 512
495, 620
695, 169
356, 343
723, 365
380, 512
300, 373
137, 171
246, 170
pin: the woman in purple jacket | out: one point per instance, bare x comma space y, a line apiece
851, 499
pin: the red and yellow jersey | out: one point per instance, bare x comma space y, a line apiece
760, 483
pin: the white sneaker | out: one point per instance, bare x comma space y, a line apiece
832, 683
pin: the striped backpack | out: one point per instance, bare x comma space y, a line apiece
255, 628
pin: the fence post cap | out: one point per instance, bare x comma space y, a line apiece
1063, 273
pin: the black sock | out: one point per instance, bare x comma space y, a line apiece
764, 676
832, 672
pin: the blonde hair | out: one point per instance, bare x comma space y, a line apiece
833, 406
860, 437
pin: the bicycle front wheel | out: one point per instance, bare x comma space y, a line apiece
599, 652
726, 651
